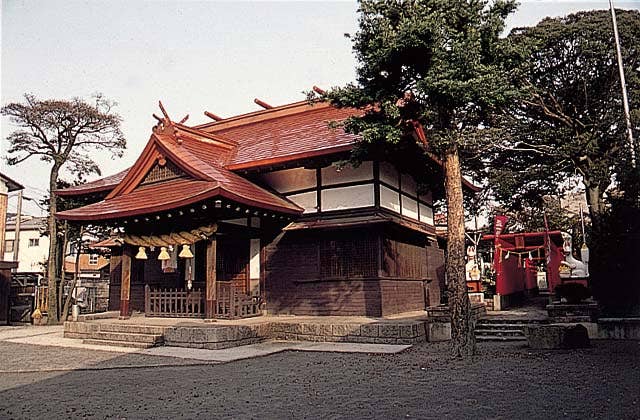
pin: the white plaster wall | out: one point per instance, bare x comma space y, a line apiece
308, 201
426, 214
29, 257
332, 175
389, 199
254, 259
409, 207
347, 197
254, 266
291, 179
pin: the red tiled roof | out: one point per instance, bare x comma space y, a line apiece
102, 184
146, 199
106, 243
172, 194
287, 137
206, 180
209, 152
281, 134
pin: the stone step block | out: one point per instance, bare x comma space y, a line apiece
116, 343
80, 329
127, 337
493, 321
500, 338
132, 329
557, 336
502, 326
499, 332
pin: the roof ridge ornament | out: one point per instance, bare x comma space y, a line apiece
166, 126
262, 103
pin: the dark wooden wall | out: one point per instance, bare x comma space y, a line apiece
435, 272
371, 271
115, 278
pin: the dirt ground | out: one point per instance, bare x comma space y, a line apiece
505, 381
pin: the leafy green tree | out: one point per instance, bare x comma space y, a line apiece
567, 127
62, 133
431, 63
568, 122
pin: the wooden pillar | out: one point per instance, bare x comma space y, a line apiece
125, 285
210, 299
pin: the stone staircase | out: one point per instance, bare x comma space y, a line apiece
121, 335
492, 329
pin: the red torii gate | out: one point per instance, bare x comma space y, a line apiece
515, 255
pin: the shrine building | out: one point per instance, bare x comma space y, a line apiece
258, 212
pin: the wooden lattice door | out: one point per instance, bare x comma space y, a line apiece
233, 263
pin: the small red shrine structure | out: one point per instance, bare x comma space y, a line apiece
517, 257
256, 212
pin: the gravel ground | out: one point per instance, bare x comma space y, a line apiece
504, 381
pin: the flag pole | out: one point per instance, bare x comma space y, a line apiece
625, 99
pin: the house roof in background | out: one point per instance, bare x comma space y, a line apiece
11, 184
27, 223
99, 185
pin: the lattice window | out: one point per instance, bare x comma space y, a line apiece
404, 260
348, 258
162, 173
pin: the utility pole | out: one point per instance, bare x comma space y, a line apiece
625, 99
16, 236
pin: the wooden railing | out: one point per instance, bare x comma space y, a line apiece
231, 304
175, 303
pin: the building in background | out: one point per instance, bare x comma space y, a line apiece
33, 249
7, 185
92, 286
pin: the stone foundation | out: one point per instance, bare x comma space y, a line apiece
376, 333
215, 337
436, 327
557, 336
619, 328
573, 312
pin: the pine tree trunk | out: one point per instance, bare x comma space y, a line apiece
76, 274
52, 263
63, 276
463, 342
595, 204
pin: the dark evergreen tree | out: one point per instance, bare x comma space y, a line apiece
432, 65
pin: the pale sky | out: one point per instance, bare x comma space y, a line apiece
192, 55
